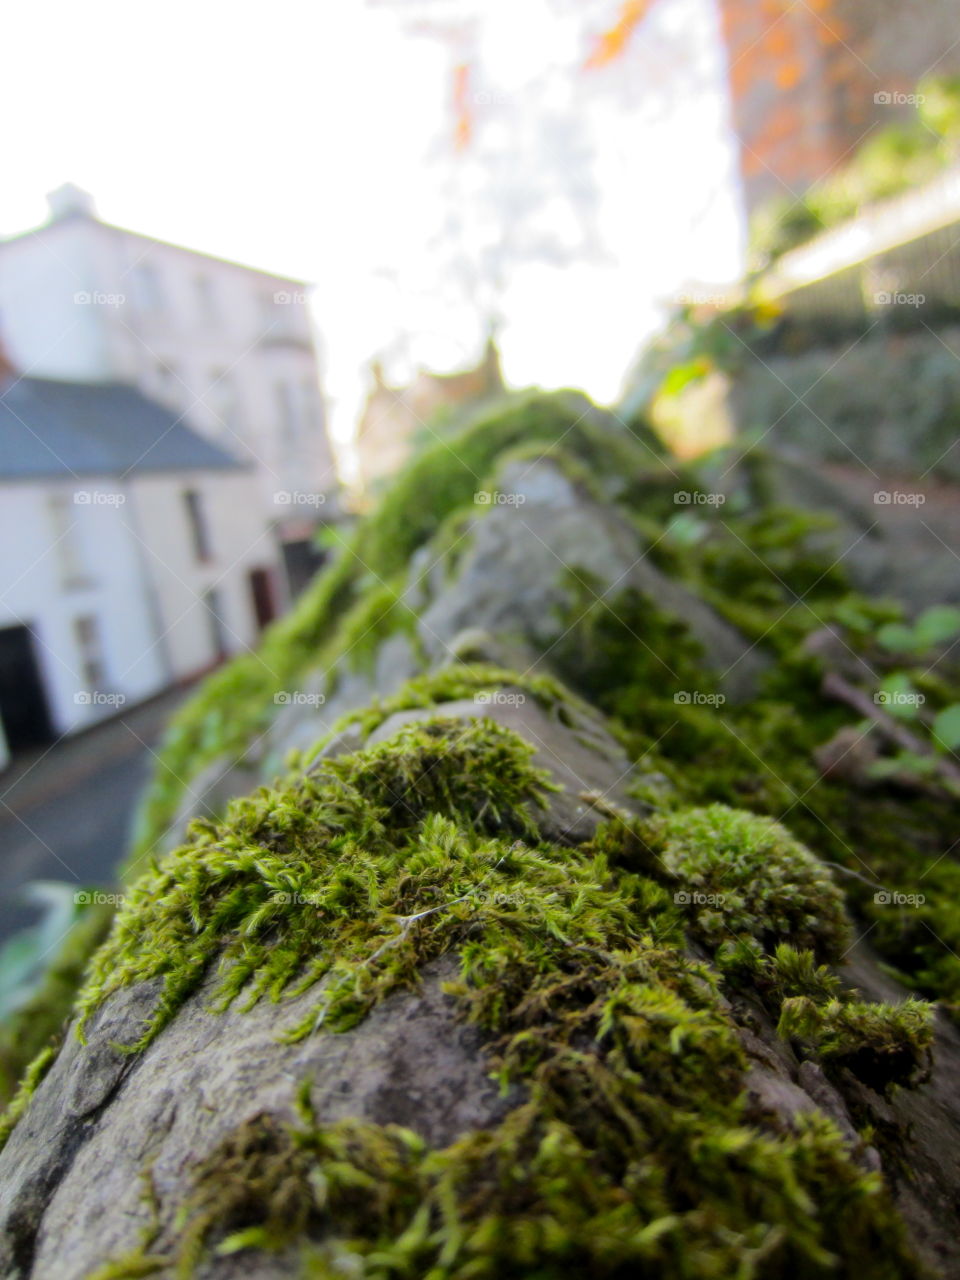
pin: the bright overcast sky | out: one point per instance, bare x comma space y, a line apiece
315, 139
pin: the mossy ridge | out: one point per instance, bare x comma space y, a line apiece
331, 857
753, 876
235, 703
632, 1149
630, 1152
759, 756
881, 1044
460, 680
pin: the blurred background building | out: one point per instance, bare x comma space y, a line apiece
230, 348
164, 465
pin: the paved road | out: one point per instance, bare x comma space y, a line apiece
65, 813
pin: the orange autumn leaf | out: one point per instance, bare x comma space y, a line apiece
463, 116
611, 44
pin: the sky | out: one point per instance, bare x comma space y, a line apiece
318, 140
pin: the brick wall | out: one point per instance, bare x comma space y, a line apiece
804, 75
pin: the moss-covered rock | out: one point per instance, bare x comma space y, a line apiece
526, 966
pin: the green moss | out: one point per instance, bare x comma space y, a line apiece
627, 1153
355, 600
324, 860
746, 875
881, 1044
452, 684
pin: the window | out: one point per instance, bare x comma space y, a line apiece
147, 287
218, 636
196, 518
311, 404
207, 300
87, 633
64, 515
286, 415
223, 400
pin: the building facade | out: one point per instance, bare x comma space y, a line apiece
229, 347
135, 555
394, 416
809, 81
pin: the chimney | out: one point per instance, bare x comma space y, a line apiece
70, 201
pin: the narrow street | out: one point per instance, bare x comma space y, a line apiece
66, 810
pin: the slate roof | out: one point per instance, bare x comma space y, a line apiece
53, 428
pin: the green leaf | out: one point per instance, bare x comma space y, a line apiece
852, 615
682, 375
898, 696
938, 625
946, 727
906, 762
897, 637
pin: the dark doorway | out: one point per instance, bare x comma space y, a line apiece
301, 560
23, 703
218, 634
261, 592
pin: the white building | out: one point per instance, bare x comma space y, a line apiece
230, 347
134, 554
